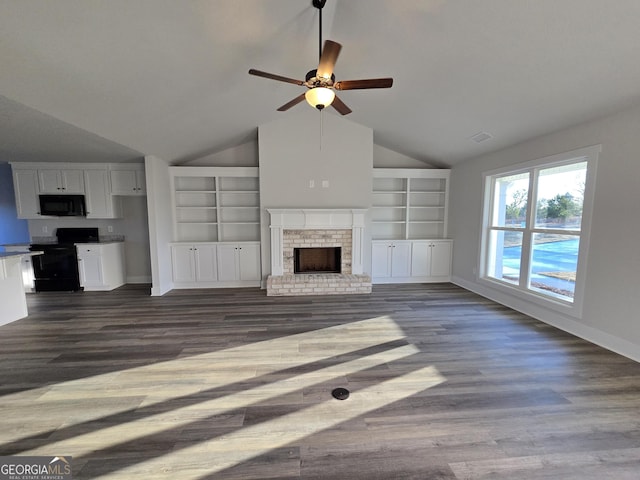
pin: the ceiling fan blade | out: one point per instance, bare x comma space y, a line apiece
280, 78
292, 103
340, 106
328, 59
362, 84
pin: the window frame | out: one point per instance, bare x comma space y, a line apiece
522, 289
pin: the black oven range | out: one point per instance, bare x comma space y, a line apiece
56, 270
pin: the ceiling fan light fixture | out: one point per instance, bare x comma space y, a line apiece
319, 97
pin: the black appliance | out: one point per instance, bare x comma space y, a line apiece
63, 205
56, 270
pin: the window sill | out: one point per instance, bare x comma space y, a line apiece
572, 309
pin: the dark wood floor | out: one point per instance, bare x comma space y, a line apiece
231, 384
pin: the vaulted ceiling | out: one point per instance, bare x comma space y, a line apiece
116, 79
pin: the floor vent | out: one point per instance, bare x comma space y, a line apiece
340, 393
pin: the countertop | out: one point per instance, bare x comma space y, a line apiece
26, 253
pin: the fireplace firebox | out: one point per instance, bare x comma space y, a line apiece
317, 260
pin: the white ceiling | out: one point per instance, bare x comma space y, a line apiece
121, 78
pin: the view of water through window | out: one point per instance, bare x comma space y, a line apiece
549, 235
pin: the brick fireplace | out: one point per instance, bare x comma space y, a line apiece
317, 229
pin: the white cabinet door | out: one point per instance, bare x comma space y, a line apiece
238, 262
421, 258
90, 269
49, 181
431, 258
100, 203
411, 261
391, 259
440, 258
401, 259
25, 184
183, 263
380, 260
227, 263
72, 181
206, 263
101, 266
27, 266
61, 181
128, 181
141, 181
249, 261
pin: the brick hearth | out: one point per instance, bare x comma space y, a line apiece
316, 229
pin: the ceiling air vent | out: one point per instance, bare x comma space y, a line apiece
481, 137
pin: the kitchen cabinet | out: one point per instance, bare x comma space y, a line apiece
411, 261
91, 179
128, 180
64, 181
194, 263
101, 265
26, 264
25, 185
12, 295
239, 262
99, 201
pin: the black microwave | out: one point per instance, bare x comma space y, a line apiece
62, 205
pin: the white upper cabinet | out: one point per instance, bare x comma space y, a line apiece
128, 180
25, 184
89, 179
100, 202
64, 181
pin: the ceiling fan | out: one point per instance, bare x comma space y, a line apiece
321, 82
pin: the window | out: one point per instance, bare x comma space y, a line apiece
536, 227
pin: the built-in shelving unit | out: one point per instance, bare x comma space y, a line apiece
216, 213
409, 204
409, 225
215, 204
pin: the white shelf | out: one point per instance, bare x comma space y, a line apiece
409, 204
215, 204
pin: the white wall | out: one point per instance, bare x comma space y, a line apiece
244, 155
612, 296
385, 158
297, 149
160, 224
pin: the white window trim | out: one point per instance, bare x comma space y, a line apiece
588, 154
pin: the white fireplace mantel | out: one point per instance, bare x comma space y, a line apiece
317, 219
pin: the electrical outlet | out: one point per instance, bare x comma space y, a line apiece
110, 229
312, 183
325, 183
45, 229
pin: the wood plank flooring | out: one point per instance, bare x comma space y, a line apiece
231, 384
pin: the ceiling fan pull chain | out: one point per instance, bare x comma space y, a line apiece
321, 127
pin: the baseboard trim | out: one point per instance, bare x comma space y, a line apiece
139, 279
555, 319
